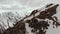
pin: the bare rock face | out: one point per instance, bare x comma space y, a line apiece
38, 23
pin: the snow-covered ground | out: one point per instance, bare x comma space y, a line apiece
25, 7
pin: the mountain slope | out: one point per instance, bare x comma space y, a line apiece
37, 21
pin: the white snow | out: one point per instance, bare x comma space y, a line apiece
25, 7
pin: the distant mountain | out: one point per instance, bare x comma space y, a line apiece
8, 19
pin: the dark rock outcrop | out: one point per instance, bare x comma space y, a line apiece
19, 27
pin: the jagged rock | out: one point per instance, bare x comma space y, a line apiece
33, 22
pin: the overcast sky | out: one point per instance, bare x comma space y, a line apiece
28, 5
